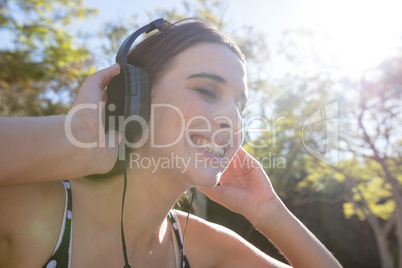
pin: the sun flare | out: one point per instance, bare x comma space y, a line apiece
354, 36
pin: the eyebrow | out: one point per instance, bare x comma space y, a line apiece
214, 77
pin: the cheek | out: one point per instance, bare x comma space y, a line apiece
166, 124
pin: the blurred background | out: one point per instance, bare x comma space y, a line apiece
324, 119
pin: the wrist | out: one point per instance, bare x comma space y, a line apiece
83, 140
270, 215
101, 149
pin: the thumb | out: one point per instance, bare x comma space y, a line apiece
223, 195
212, 193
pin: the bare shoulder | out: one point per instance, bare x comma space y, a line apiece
212, 245
31, 218
28, 201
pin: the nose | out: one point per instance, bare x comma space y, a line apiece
228, 117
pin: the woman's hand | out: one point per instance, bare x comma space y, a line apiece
87, 130
244, 187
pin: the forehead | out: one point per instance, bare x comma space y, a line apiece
210, 58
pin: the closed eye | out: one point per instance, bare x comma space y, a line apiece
206, 92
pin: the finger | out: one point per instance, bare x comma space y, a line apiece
223, 195
104, 96
103, 77
245, 160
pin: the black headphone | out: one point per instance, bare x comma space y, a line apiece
129, 92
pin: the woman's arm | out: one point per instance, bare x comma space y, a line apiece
48, 148
246, 189
300, 247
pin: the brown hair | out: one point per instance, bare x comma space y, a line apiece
156, 53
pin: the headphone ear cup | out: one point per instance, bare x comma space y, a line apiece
128, 95
138, 98
115, 104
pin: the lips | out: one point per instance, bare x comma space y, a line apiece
208, 146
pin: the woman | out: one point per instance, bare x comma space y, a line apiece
199, 88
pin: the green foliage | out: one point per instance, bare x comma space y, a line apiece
320, 177
42, 64
371, 171
371, 189
375, 139
283, 113
379, 199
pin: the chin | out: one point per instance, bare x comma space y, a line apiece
205, 178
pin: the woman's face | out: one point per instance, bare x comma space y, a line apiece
195, 123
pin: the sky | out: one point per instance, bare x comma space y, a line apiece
350, 36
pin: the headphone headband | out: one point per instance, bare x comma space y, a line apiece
129, 91
121, 56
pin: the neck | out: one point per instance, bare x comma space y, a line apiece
149, 197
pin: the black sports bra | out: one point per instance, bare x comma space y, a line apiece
61, 257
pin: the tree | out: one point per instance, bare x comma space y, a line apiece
369, 173
377, 191
371, 168
43, 66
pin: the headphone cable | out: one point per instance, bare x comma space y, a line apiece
123, 240
185, 227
